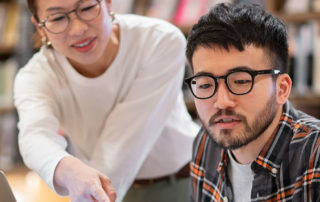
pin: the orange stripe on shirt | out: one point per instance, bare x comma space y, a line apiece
213, 192
198, 159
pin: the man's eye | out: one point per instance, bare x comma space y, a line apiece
205, 86
242, 81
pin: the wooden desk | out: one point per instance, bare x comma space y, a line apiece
27, 186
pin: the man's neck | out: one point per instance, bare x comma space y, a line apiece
247, 154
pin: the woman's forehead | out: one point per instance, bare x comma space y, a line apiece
45, 6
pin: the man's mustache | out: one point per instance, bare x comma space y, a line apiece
228, 112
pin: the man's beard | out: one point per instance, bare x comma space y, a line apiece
250, 133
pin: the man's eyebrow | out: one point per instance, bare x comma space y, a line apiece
203, 73
238, 68
241, 68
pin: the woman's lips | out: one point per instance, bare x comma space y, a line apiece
84, 45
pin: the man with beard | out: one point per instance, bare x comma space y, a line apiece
254, 145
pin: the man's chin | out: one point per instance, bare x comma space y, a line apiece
225, 141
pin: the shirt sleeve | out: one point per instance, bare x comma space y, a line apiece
137, 121
40, 144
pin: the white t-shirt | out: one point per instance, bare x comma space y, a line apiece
241, 177
130, 122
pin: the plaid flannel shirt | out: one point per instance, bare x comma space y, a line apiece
287, 168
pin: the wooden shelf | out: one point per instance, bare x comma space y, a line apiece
6, 50
6, 109
298, 17
309, 104
276, 7
185, 29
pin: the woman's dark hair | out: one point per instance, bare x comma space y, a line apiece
33, 8
239, 25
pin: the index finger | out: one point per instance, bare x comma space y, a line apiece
98, 193
108, 188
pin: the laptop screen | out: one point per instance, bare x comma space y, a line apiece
5, 190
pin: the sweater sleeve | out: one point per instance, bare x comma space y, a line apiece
137, 121
40, 144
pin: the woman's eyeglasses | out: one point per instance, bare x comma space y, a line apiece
86, 10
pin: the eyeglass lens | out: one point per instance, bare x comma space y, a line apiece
237, 83
87, 10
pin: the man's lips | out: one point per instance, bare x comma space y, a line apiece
225, 123
226, 119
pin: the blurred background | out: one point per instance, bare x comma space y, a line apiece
302, 18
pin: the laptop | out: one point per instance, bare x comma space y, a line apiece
6, 193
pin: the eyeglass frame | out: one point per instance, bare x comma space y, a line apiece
253, 74
43, 22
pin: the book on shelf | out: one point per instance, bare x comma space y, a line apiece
316, 62
8, 71
3, 16
315, 5
122, 6
8, 140
163, 9
9, 29
303, 66
140, 6
297, 6
189, 11
304, 52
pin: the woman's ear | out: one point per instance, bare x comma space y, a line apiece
39, 29
284, 85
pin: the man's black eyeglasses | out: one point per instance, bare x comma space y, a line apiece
238, 82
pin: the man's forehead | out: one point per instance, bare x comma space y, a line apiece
220, 60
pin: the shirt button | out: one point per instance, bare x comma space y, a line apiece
274, 170
225, 199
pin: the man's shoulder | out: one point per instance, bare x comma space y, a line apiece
305, 128
305, 139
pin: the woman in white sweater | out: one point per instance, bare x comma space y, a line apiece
100, 105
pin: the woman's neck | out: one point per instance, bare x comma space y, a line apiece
96, 69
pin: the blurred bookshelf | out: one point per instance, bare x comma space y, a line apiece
12, 38
16, 46
302, 19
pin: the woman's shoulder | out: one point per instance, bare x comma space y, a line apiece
40, 67
147, 24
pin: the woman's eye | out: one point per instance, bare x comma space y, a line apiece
87, 8
58, 18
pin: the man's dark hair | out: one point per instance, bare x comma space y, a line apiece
239, 25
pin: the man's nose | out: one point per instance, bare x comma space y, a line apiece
223, 98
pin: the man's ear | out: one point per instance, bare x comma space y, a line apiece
284, 85
39, 29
